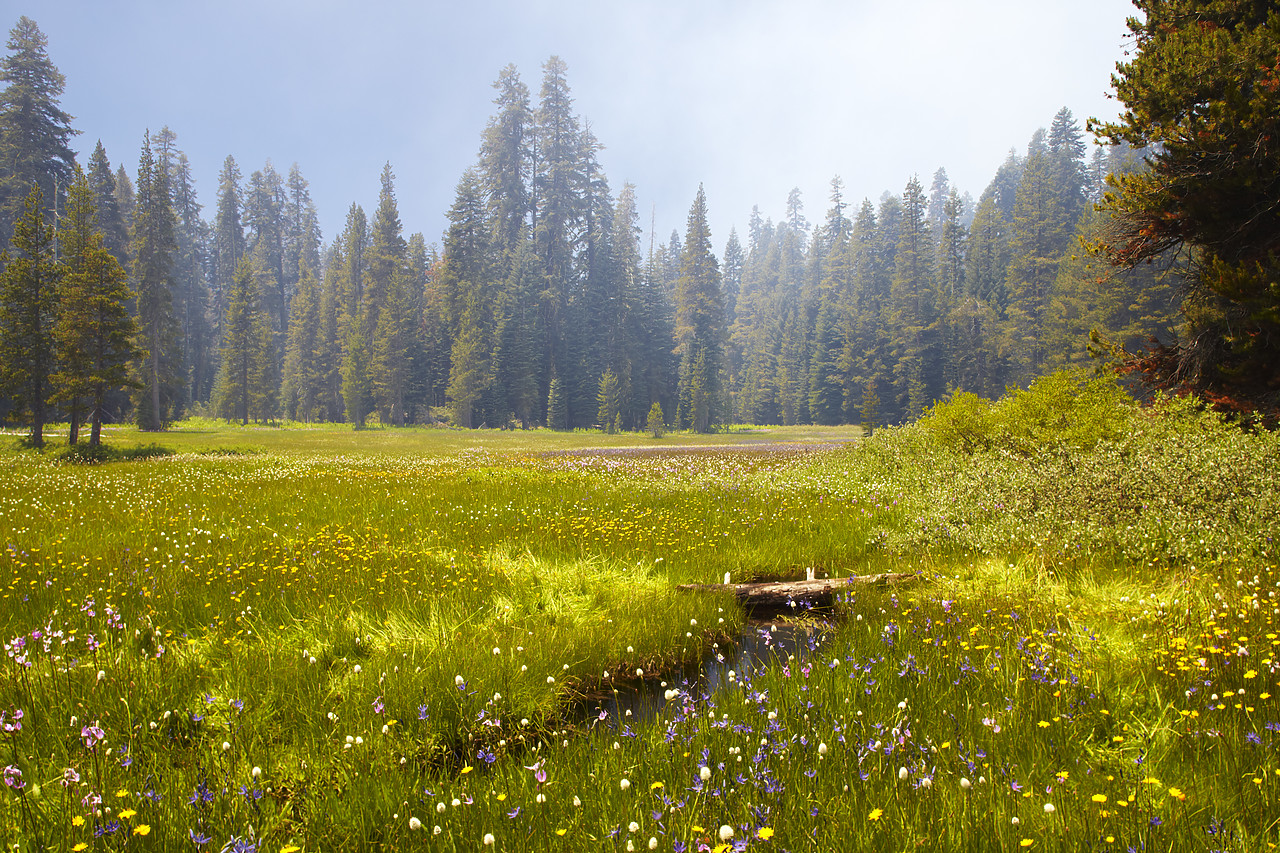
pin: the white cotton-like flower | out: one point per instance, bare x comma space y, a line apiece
926, 783
435, 830
256, 772
497, 651
386, 728
726, 832
356, 669
311, 660
631, 846
414, 823
1014, 820
630, 650
639, 672
333, 718
455, 802
577, 803
705, 773
440, 807
101, 674
902, 774
225, 746
653, 843
551, 679
822, 749
965, 784
488, 839
633, 826
1049, 809
670, 694
350, 739
459, 681
902, 706
624, 783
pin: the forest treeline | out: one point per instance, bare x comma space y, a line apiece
546, 301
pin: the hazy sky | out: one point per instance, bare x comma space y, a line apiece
750, 98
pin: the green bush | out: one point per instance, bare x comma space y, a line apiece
1064, 409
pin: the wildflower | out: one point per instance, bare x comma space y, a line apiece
653, 843
705, 773
633, 827
459, 682
822, 750
875, 814
965, 784
415, 824
1177, 794
902, 774
256, 772
624, 784
726, 833
488, 839
1099, 798
764, 833
142, 829
1026, 842
1048, 808
127, 813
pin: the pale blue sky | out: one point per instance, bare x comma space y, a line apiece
749, 97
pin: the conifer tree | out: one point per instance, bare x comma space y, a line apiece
245, 381
301, 384
35, 133
699, 321
94, 332
110, 221
155, 243
28, 301
557, 406
609, 398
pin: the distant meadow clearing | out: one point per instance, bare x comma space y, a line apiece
300, 639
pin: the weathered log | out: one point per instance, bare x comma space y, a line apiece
778, 595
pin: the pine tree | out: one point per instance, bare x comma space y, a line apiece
94, 332
609, 398
656, 425
700, 320
557, 406
244, 378
110, 220
228, 239
1202, 90
35, 133
302, 383
28, 301
155, 243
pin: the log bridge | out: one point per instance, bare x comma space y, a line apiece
783, 595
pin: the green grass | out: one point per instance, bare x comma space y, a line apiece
398, 628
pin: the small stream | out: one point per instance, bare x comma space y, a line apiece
640, 700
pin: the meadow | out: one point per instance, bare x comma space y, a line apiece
296, 639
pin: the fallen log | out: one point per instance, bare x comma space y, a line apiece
785, 595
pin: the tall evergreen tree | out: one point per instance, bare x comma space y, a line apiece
94, 332
35, 133
699, 322
28, 301
245, 382
110, 220
154, 247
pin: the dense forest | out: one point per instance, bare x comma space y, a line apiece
548, 300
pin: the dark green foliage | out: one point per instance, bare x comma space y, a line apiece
94, 332
246, 381
1203, 88
159, 375
655, 424
28, 300
35, 133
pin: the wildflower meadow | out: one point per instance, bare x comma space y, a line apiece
315, 639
